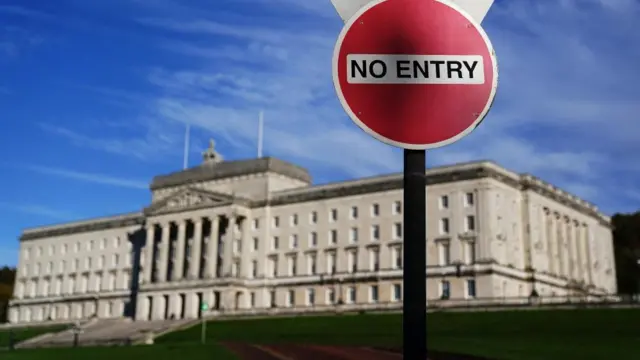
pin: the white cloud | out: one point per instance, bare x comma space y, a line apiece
38, 210
565, 109
90, 177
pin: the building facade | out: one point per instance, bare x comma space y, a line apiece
256, 234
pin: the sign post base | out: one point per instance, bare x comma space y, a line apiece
414, 286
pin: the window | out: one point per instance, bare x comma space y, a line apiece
313, 239
444, 226
352, 259
62, 266
470, 252
272, 298
88, 264
235, 267
397, 231
254, 269
90, 245
294, 220
76, 247
49, 267
374, 260
331, 262
100, 262
396, 253
254, 246
76, 265
255, 225
397, 208
373, 293
331, 296
333, 237
64, 249
276, 221
293, 241
313, 217
311, 296
103, 244
445, 254
375, 210
444, 202
117, 242
471, 288
252, 299
114, 263
354, 212
333, 215
445, 290
273, 266
351, 295
275, 243
396, 294
470, 223
292, 265
311, 263
375, 232
291, 298
353, 235
468, 199
51, 250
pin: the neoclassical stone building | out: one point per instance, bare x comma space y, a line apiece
257, 234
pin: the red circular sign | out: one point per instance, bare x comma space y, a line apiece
416, 74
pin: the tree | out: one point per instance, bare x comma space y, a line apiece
626, 242
7, 278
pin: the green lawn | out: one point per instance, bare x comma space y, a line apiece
21, 334
156, 352
513, 335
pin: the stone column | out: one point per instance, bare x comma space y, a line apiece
586, 239
195, 256
557, 244
579, 254
229, 238
566, 248
485, 225
178, 257
163, 259
148, 254
245, 263
212, 247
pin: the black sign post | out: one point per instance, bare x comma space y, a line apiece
414, 286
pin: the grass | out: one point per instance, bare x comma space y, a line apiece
514, 335
21, 334
157, 352
505, 335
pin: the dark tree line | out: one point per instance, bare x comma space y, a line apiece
7, 278
626, 238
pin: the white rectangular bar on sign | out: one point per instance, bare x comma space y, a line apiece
415, 69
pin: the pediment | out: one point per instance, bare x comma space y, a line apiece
189, 199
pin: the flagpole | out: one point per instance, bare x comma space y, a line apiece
186, 147
260, 133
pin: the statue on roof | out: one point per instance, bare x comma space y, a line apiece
211, 156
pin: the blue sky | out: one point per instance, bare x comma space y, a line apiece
95, 95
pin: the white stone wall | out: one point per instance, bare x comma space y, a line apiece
485, 239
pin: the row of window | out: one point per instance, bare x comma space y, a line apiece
351, 294
396, 209
69, 286
77, 247
469, 201
74, 266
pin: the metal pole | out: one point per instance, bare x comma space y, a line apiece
203, 335
414, 314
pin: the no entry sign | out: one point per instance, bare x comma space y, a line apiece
416, 74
